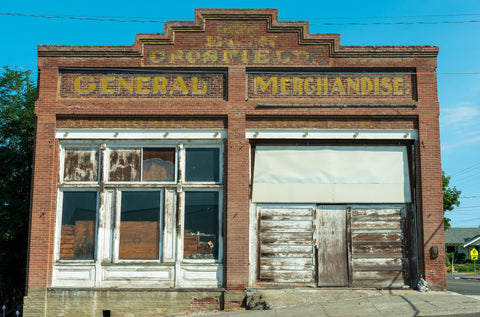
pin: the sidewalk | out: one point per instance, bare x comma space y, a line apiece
377, 303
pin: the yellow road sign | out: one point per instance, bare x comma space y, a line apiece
474, 254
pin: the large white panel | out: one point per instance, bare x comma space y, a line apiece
331, 174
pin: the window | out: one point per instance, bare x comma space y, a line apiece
140, 202
202, 165
145, 164
81, 165
140, 225
79, 215
201, 231
158, 164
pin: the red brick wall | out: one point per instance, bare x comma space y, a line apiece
238, 52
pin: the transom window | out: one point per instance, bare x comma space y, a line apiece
142, 164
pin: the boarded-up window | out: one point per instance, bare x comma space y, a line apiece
201, 225
81, 165
140, 225
331, 174
158, 164
78, 226
202, 164
124, 165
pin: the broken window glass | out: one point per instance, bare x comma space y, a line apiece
202, 164
79, 216
140, 225
81, 165
158, 164
201, 232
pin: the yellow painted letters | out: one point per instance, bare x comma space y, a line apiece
78, 84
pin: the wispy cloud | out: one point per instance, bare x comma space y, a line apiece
460, 142
460, 116
460, 126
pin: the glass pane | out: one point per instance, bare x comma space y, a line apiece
139, 225
124, 165
202, 164
81, 165
201, 225
158, 164
79, 215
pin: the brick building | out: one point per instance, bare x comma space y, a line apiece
231, 152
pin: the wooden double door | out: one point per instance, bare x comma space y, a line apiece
333, 246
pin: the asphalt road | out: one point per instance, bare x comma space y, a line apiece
463, 286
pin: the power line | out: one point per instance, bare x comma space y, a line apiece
395, 23
394, 17
467, 207
162, 20
79, 17
467, 169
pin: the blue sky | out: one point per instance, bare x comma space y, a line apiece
458, 61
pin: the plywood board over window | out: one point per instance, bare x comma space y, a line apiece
140, 225
158, 164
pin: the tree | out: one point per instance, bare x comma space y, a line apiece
450, 198
17, 122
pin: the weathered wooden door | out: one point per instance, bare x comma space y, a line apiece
286, 245
332, 246
378, 249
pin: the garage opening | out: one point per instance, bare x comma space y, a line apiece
333, 216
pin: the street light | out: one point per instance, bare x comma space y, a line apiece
4, 307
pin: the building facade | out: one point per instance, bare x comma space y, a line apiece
231, 152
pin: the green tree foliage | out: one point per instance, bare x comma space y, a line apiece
17, 122
451, 197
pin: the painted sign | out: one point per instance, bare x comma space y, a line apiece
141, 85
235, 44
316, 85
234, 56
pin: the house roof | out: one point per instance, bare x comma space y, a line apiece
461, 236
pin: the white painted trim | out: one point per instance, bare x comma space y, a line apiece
58, 226
309, 134
471, 242
167, 134
253, 242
